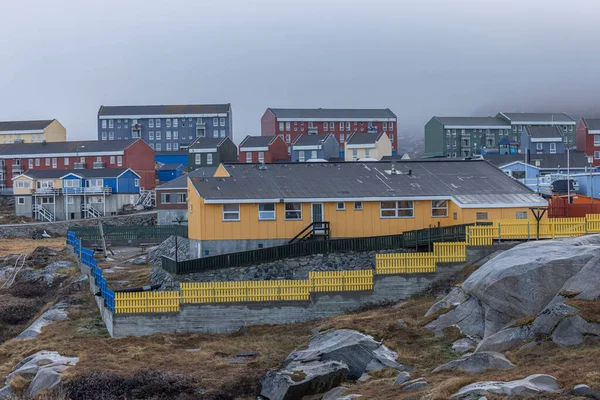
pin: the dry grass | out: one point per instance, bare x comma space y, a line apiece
26, 246
588, 309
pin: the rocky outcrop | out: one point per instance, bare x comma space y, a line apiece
41, 370
477, 363
463, 345
528, 386
58, 312
531, 281
330, 358
167, 249
586, 391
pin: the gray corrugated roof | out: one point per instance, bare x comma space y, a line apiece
165, 109
592, 124
364, 138
538, 117
206, 142
24, 125
168, 167
473, 121
257, 141
181, 182
86, 173
448, 178
578, 159
80, 146
544, 131
311, 140
348, 113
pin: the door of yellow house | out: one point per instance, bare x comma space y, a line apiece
318, 215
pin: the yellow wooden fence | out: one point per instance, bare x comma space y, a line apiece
481, 235
450, 251
146, 302
340, 281
244, 291
593, 223
404, 263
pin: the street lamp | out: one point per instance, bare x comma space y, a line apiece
590, 160
537, 175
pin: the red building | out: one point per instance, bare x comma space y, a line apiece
291, 122
255, 149
18, 158
588, 138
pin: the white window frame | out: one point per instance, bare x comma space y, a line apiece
111, 124
21, 200
215, 121
151, 123
120, 161
168, 146
481, 216
70, 200
158, 135
163, 198
553, 148
222, 121
340, 206
168, 122
596, 155
521, 215
248, 157
358, 206
261, 156
301, 156
181, 198
288, 126
158, 147
168, 135
104, 136
439, 205
354, 155
175, 122
281, 126
342, 137
313, 155
209, 159
266, 215
198, 159
54, 162
112, 159
288, 138
290, 212
37, 162
111, 136
103, 124
596, 140
367, 153
30, 163
399, 207
157, 123
136, 182
175, 135
229, 211
325, 126
71, 183
151, 135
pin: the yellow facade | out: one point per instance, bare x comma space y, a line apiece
33, 184
54, 132
206, 220
382, 148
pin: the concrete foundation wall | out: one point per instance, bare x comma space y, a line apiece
229, 317
198, 248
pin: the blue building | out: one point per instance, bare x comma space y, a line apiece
165, 128
172, 157
168, 172
542, 140
315, 147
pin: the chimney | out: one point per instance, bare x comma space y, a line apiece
410, 172
393, 168
529, 156
43, 142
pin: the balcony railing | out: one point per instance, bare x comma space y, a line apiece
78, 165
17, 168
99, 164
2, 167
87, 190
46, 191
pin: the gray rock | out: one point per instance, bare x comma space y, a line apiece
506, 339
401, 323
420, 384
402, 378
586, 391
463, 345
571, 330
586, 283
477, 363
547, 320
354, 349
349, 397
530, 385
167, 248
454, 298
468, 317
7, 393
140, 260
46, 378
335, 393
364, 377
301, 380
58, 312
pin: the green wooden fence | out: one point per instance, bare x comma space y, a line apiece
114, 233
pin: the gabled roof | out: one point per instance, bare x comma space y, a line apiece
10, 126
189, 109
470, 183
578, 159
544, 131
181, 182
257, 141
591, 123
207, 142
82, 173
473, 122
333, 113
170, 167
364, 138
536, 118
312, 140
80, 147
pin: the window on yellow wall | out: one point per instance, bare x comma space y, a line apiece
231, 212
358, 206
266, 212
439, 208
293, 211
481, 216
521, 214
341, 206
397, 209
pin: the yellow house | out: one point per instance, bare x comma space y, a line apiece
367, 147
251, 206
32, 131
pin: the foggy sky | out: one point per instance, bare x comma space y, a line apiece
63, 59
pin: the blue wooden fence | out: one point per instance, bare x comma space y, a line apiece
87, 258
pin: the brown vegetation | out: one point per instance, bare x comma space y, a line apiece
27, 246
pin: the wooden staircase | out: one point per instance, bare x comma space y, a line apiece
314, 231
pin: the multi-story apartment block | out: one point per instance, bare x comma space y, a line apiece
518, 121
32, 131
50, 195
290, 123
15, 159
463, 136
165, 128
588, 138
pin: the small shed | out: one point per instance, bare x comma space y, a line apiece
168, 172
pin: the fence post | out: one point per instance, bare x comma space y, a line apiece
79, 249
499, 234
429, 240
528, 230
